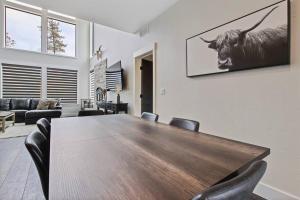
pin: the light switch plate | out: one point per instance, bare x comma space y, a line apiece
163, 91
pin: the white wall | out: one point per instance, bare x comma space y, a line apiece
80, 63
118, 45
259, 106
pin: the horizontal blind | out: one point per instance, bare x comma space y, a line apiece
21, 81
62, 84
92, 85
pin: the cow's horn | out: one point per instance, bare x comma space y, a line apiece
207, 41
258, 23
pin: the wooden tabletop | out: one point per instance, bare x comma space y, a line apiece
4, 114
119, 157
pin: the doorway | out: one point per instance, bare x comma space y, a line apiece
147, 84
144, 90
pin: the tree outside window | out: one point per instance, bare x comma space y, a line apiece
9, 42
61, 38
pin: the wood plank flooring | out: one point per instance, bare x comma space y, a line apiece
18, 176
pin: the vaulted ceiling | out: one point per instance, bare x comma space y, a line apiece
125, 15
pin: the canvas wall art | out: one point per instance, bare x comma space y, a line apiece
258, 39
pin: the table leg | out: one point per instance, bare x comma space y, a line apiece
14, 119
3, 125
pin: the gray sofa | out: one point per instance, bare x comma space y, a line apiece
25, 110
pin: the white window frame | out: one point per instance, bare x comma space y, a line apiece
92, 39
28, 12
51, 16
44, 33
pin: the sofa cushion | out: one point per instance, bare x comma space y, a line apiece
43, 114
33, 104
20, 104
4, 104
33, 116
43, 104
58, 101
20, 115
52, 103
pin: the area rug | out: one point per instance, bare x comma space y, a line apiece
18, 130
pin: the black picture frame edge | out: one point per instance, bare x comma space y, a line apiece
267, 66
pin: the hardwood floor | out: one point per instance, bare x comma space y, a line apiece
18, 176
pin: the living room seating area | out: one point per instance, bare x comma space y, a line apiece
31, 110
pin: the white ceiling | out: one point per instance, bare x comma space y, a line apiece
125, 15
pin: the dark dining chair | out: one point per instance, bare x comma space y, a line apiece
84, 113
238, 188
185, 124
45, 127
36, 144
149, 116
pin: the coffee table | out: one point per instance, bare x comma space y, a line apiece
4, 116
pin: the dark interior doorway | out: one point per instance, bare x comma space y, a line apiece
147, 85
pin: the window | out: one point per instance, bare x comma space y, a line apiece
62, 83
33, 28
22, 30
21, 81
92, 85
61, 38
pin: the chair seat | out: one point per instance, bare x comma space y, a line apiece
185, 124
45, 127
36, 144
149, 116
238, 188
249, 197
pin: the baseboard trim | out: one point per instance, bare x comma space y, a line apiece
272, 193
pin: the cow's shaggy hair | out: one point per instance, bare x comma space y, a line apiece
254, 49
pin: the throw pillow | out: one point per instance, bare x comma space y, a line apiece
43, 105
52, 104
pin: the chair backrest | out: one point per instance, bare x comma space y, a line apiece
36, 144
185, 124
45, 127
238, 188
83, 113
150, 116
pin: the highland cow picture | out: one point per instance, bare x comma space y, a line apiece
259, 39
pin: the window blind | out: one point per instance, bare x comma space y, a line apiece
21, 81
62, 84
92, 85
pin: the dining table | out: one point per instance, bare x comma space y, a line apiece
123, 157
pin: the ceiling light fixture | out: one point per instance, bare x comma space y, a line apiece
24, 4
60, 14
